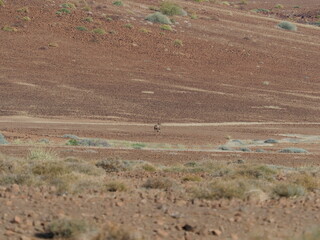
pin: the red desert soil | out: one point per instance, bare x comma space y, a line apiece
236, 76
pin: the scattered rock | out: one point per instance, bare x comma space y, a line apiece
216, 232
188, 228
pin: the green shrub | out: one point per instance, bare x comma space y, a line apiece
149, 168
80, 28
88, 19
278, 6
158, 18
23, 10
9, 29
138, 145
117, 3
88, 141
177, 43
27, 19
3, 139
66, 228
194, 16
287, 26
144, 30
63, 11
258, 10
99, 31
313, 234
128, 25
171, 9
1, 3
166, 27
68, 5
293, 150
288, 190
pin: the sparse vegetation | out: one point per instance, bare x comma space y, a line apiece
166, 27
1, 3
80, 28
88, 19
171, 9
287, 26
260, 10
3, 139
67, 228
128, 25
293, 150
118, 3
53, 44
288, 190
218, 189
99, 31
23, 10
27, 19
192, 178
144, 30
177, 43
158, 183
68, 5
116, 186
63, 11
279, 6
115, 232
149, 168
158, 18
138, 145
88, 141
45, 168
9, 29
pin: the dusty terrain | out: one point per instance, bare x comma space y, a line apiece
236, 81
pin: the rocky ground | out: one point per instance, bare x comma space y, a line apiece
82, 86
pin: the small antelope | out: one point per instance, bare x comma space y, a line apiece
157, 127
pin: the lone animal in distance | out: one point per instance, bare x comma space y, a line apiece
157, 127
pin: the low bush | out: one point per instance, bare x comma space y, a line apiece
67, 228
81, 28
9, 29
99, 31
219, 189
171, 9
118, 3
3, 139
158, 18
293, 150
288, 190
287, 26
115, 187
158, 183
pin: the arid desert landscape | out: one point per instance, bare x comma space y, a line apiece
233, 85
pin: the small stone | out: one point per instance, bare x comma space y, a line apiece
24, 238
16, 219
162, 233
216, 232
188, 228
15, 188
234, 237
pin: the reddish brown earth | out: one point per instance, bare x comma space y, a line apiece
236, 76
